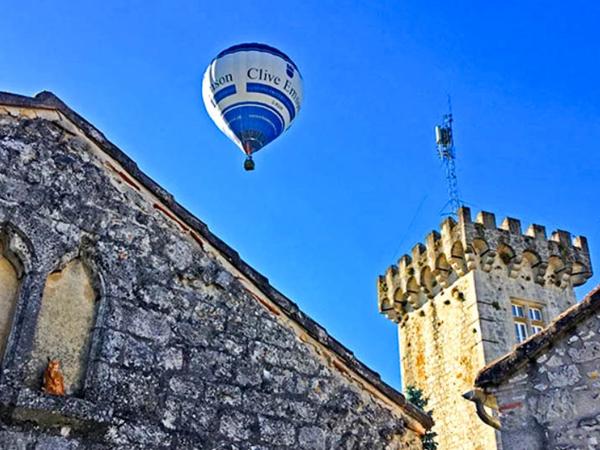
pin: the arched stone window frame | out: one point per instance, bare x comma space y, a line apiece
87, 255
90, 258
18, 250
24, 401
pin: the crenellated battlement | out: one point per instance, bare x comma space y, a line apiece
466, 245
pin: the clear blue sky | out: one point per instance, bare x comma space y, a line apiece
356, 182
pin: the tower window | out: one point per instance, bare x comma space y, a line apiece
535, 314
520, 331
517, 311
528, 319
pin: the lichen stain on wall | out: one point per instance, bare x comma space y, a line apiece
420, 365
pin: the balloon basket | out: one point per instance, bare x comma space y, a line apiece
249, 164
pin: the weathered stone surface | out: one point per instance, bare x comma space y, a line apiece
547, 389
182, 355
311, 438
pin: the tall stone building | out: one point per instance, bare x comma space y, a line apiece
467, 297
166, 337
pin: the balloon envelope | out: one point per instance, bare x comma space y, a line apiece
252, 92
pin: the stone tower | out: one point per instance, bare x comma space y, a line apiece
467, 297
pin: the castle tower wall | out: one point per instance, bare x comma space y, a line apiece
440, 355
453, 302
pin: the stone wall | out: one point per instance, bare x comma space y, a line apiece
441, 352
183, 352
552, 402
495, 293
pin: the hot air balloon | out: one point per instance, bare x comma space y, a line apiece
252, 92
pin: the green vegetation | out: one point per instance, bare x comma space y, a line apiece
415, 396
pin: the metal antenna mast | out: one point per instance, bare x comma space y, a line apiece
447, 153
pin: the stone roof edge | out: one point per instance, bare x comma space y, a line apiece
499, 370
47, 100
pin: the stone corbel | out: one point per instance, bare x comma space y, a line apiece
441, 276
564, 276
487, 260
458, 265
515, 267
470, 260
539, 272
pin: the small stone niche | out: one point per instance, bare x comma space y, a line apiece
65, 323
9, 286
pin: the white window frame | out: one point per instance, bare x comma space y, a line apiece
521, 331
517, 310
535, 314
528, 318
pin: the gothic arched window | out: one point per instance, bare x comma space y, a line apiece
9, 286
65, 322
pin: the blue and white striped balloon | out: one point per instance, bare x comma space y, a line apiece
252, 92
